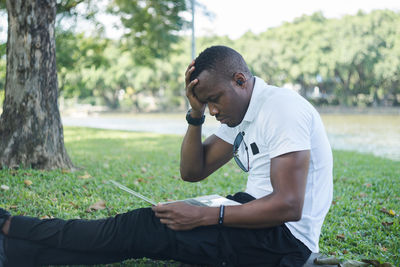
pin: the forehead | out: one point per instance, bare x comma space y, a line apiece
208, 85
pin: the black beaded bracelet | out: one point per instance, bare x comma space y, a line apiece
221, 214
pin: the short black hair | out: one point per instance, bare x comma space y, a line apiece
220, 59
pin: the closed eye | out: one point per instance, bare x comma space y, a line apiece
214, 99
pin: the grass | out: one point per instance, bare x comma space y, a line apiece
355, 227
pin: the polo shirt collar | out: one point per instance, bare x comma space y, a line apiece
255, 101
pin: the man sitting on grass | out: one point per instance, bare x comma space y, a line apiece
273, 134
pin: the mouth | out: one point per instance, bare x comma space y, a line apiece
220, 119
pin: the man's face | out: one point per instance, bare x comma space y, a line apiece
225, 99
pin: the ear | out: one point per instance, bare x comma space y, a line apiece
239, 78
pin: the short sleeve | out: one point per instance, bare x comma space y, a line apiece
288, 128
226, 133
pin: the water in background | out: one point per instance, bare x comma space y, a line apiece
376, 134
366, 133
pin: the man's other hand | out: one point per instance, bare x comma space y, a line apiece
179, 215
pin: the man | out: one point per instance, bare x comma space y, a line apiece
272, 133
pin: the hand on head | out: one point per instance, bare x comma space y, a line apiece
197, 106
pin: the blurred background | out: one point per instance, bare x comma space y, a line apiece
119, 60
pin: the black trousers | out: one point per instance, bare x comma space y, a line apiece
138, 234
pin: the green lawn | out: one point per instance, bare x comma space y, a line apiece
355, 228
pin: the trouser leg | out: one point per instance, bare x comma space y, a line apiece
27, 253
122, 233
137, 233
140, 234
80, 235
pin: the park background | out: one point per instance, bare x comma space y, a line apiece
347, 64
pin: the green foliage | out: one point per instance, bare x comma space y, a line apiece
344, 57
355, 227
354, 60
76, 54
97, 67
153, 26
68, 6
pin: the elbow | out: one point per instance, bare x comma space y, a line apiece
295, 210
189, 177
296, 216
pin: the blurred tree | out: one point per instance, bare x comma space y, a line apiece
354, 58
151, 26
31, 134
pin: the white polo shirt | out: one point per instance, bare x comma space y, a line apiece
280, 121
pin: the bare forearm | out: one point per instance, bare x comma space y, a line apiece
182, 216
266, 212
288, 178
192, 155
260, 213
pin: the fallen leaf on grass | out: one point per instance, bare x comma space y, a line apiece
99, 205
28, 182
143, 169
28, 174
368, 185
73, 204
141, 180
387, 223
384, 249
65, 171
13, 207
389, 212
85, 176
341, 237
46, 217
5, 187
363, 195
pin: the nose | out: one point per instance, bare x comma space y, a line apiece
213, 110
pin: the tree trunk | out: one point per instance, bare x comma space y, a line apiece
31, 133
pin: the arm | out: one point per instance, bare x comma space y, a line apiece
199, 160
285, 203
